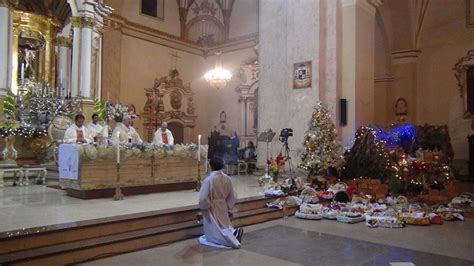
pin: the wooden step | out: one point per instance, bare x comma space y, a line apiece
88, 249
63, 233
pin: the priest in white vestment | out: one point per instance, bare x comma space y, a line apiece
127, 133
94, 128
163, 135
216, 199
77, 132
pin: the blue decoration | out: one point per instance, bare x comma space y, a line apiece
398, 135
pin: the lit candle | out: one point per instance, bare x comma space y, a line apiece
199, 147
118, 147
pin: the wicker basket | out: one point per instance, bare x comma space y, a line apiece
308, 216
349, 220
414, 220
330, 215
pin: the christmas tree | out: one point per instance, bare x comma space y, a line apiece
368, 157
100, 108
322, 148
9, 106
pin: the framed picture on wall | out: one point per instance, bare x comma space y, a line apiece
153, 8
470, 13
302, 75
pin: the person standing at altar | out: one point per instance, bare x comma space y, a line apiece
127, 133
77, 132
163, 135
216, 199
94, 128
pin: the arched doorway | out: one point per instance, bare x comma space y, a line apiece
178, 132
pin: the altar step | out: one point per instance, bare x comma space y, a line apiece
88, 240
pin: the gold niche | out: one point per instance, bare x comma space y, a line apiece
33, 47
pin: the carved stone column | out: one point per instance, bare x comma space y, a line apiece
358, 30
76, 53
63, 46
82, 56
6, 26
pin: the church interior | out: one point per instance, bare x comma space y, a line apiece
346, 128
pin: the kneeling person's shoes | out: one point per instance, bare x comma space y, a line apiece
240, 233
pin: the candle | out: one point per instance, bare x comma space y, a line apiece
199, 147
118, 147
22, 71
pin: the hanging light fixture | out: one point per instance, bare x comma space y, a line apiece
218, 77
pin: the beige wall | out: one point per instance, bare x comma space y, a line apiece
425, 78
131, 11
444, 40
289, 33
144, 61
132, 64
111, 64
382, 75
244, 18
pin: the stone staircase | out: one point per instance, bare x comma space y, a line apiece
92, 239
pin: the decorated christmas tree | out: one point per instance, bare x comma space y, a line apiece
322, 148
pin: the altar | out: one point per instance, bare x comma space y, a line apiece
89, 172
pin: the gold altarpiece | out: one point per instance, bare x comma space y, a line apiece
33, 47
171, 101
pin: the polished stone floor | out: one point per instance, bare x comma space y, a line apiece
301, 242
39, 205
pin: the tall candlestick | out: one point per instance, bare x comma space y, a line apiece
199, 147
118, 147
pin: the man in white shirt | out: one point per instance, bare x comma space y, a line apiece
163, 135
94, 128
127, 133
77, 132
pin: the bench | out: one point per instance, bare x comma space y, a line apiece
15, 171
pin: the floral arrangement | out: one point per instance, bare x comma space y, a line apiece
276, 166
119, 111
144, 150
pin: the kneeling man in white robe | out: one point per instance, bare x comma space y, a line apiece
216, 199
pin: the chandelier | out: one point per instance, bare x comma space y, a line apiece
218, 77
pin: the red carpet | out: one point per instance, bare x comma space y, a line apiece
55, 187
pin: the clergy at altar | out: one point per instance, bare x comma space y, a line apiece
127, 133
77, 132
163, 135
94, 128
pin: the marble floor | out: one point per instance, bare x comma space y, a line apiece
39, 205
302, 242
